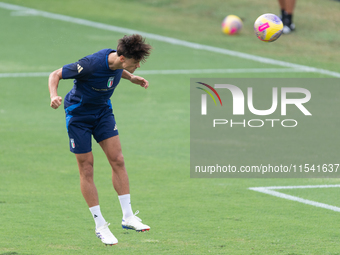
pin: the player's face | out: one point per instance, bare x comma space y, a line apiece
131, 64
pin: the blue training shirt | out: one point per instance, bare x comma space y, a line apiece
94, 83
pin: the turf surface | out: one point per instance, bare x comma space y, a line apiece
42, 210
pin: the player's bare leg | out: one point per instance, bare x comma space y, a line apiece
120, 181
87, 186
289, 6
282, 4
89, 191
113, 151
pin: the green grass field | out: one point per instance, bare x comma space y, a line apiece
42, 210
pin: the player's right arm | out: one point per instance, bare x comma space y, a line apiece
81, 69
53, 83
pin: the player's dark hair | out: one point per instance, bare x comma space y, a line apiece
133, 46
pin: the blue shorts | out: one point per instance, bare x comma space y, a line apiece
80, 129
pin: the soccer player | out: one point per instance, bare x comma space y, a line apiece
287, 10
89, 112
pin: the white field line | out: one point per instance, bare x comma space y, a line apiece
28, 11
208, 71
18, 75
270, 191
193, 71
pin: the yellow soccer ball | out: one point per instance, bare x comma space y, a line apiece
231, 25
268, 27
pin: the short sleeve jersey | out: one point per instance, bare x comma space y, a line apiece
94, 83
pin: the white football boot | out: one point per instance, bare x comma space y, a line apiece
288, 29
135, 223
105, 235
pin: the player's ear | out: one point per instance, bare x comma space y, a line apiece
121, 58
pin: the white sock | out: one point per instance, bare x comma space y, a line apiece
125, 203
97, 216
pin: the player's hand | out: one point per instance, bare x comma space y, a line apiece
56, 102
140, 81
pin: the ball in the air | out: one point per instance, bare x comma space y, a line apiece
268, 27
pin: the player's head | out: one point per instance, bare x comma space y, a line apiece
133, 46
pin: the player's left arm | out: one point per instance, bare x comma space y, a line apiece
135, 79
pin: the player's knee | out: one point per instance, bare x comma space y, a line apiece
118, 160
86, 170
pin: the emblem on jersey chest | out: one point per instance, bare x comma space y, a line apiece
110, 82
